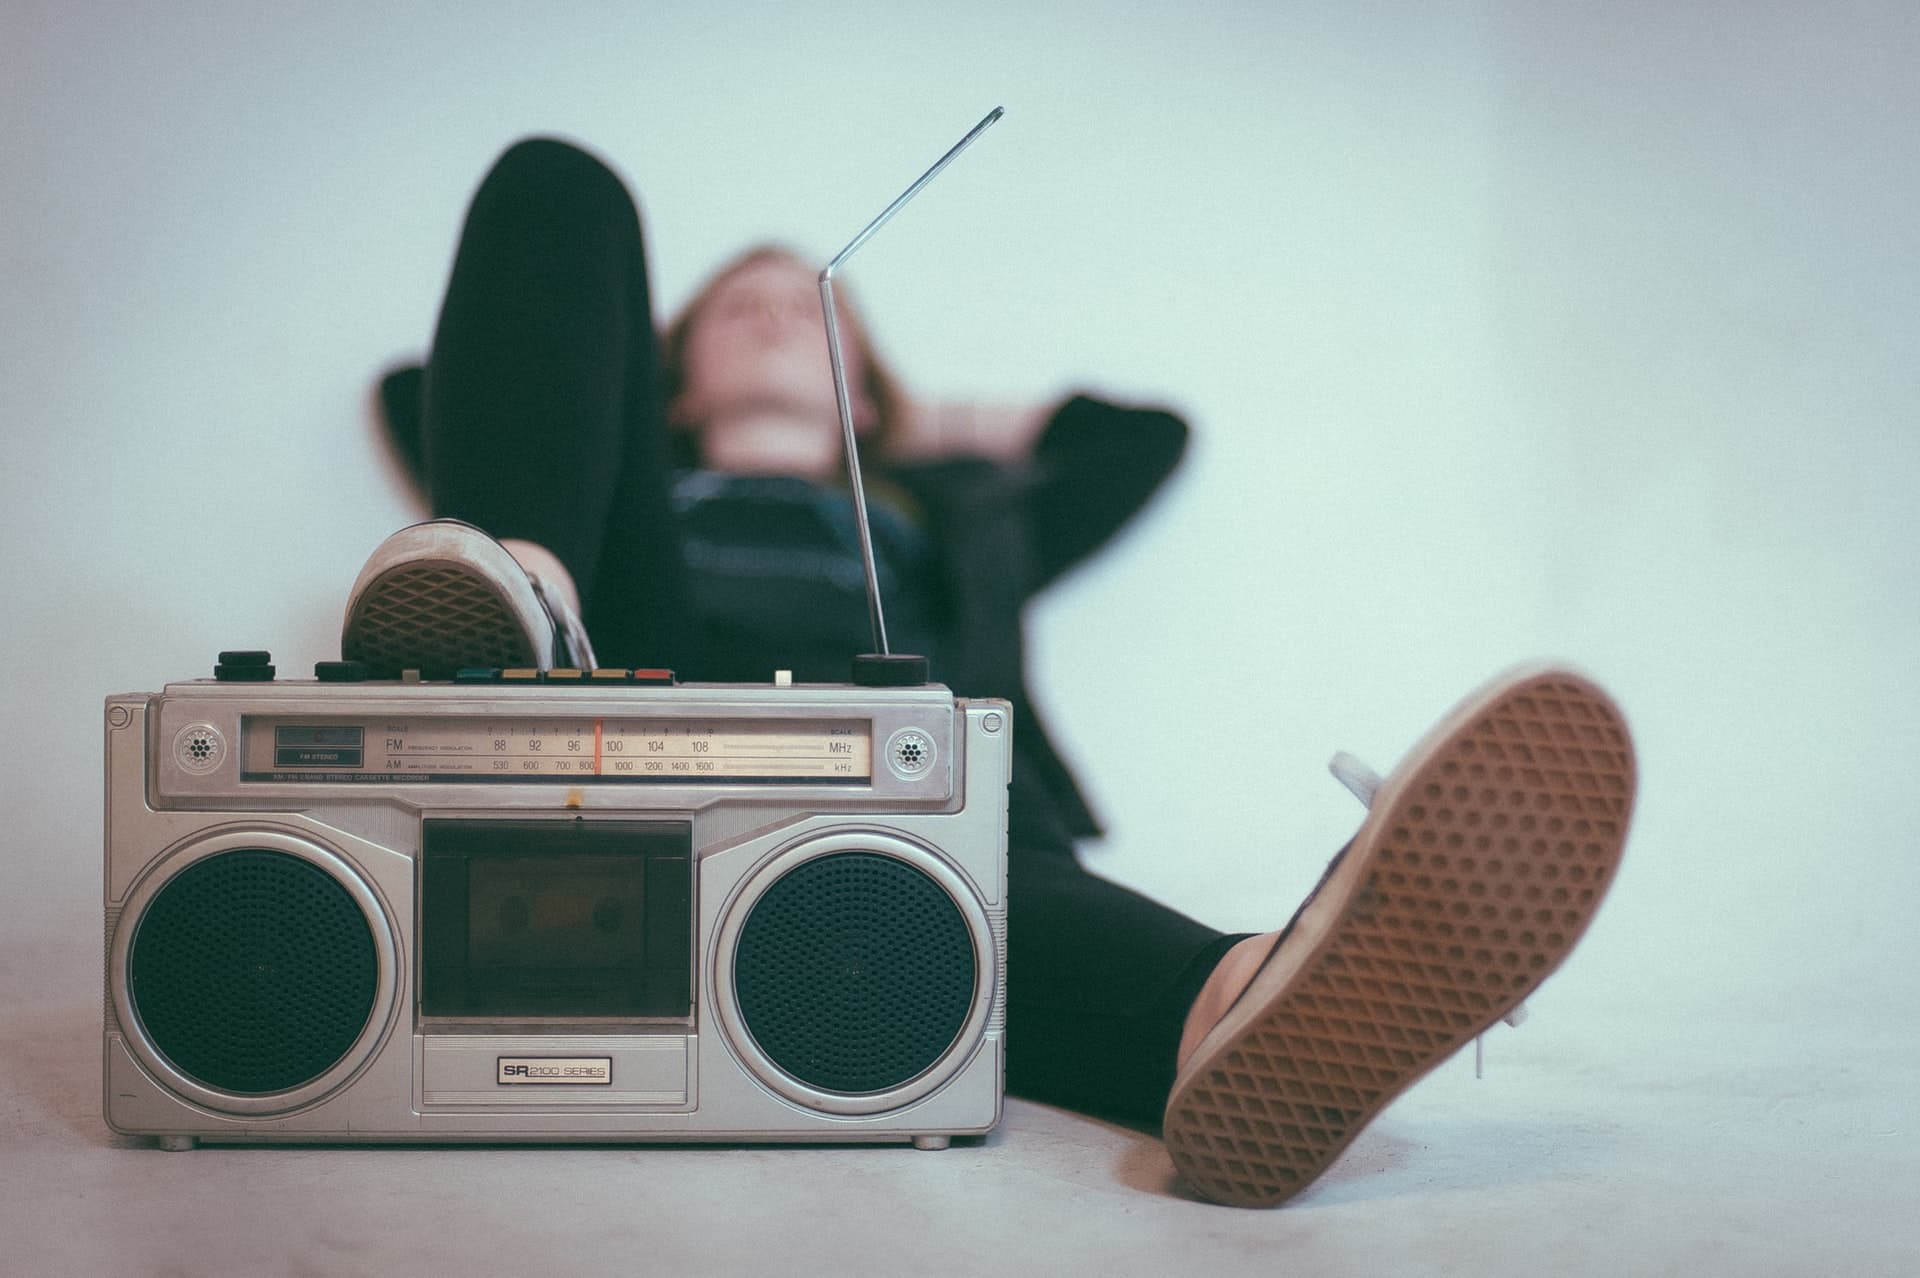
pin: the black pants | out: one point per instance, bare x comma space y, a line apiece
543, 420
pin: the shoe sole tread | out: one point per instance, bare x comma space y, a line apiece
435, 617
1480, 866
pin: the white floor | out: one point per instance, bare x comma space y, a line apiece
1506, 329
1652, 1137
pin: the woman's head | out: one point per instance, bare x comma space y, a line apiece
752, 344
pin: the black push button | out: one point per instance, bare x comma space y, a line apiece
250, 665
342, 671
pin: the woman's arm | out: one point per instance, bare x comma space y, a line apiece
1094, 467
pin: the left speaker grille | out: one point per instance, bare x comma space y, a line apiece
253, 971
855, 972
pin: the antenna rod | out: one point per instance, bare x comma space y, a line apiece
840, 395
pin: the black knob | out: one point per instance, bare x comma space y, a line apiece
246, 665
889, 670
342, 671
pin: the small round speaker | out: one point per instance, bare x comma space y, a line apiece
861, 967
253, 971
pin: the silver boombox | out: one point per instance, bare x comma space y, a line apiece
443, 912
560, 906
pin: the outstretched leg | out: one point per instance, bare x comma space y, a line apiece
1099, 983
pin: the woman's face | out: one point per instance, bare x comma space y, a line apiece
757, 347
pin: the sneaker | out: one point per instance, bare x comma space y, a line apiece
443, 596
1482, 860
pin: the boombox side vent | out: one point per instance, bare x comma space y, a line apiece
112, 928
997, 1022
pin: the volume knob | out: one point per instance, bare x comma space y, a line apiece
251, 665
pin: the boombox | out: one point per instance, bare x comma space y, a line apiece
580, 909
560, 905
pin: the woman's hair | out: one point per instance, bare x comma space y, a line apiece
872, 377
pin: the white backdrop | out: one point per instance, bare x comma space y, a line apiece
1505, 329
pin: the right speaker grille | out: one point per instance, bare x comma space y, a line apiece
855, 972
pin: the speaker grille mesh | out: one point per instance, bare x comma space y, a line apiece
253, 971
854, 972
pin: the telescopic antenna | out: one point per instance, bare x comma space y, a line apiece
882, 667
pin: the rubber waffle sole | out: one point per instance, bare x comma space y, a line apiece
1478, 869
435, 618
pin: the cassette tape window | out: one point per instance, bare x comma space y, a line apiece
533, 918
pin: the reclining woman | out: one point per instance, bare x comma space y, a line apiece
679, 497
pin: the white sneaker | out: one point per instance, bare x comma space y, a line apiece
1481, 862
443, 596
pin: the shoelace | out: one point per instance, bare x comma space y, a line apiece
1364, 783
